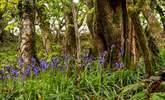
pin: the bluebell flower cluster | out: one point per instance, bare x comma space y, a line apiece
55, 62
26, 71
33, 61
119, 65
7, 72
20, 62
15, 72
1, 74
34, 68
43, 64
102, 58
8, 68
36, 71
87, 61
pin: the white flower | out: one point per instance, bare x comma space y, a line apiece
76, 1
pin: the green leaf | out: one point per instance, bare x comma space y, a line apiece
138, 96
132, 87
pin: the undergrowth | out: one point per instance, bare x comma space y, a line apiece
52, 82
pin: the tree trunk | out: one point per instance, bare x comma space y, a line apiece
142, 39
46, 37
152, 31
131, 52
91, 23
109, 28
127, 54
27, 45
70, 37
78, 47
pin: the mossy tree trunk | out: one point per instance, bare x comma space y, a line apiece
131, 47
109, 29
152, 30
131, 50
128, 37
70, 37
142, 39
91, 23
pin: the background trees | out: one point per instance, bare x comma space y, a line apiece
111, 24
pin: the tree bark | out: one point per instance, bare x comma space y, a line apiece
70, 37
91, 23
27, 45
46, 37
152, 31
78, 47
142, 39
109, 28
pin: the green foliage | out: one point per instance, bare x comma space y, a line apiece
158, 96
133, 87
8, 53
162, 55
139, 96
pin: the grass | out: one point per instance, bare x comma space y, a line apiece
55, 84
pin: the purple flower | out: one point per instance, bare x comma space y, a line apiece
44, 65
102, 58
36, 71
27, 71
86, 61
8, 68
20, 62
122, 51
14, 72
33, 61
55, 62
119, 65
113, 46
2, 74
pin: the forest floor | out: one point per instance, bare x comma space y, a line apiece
52, 82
